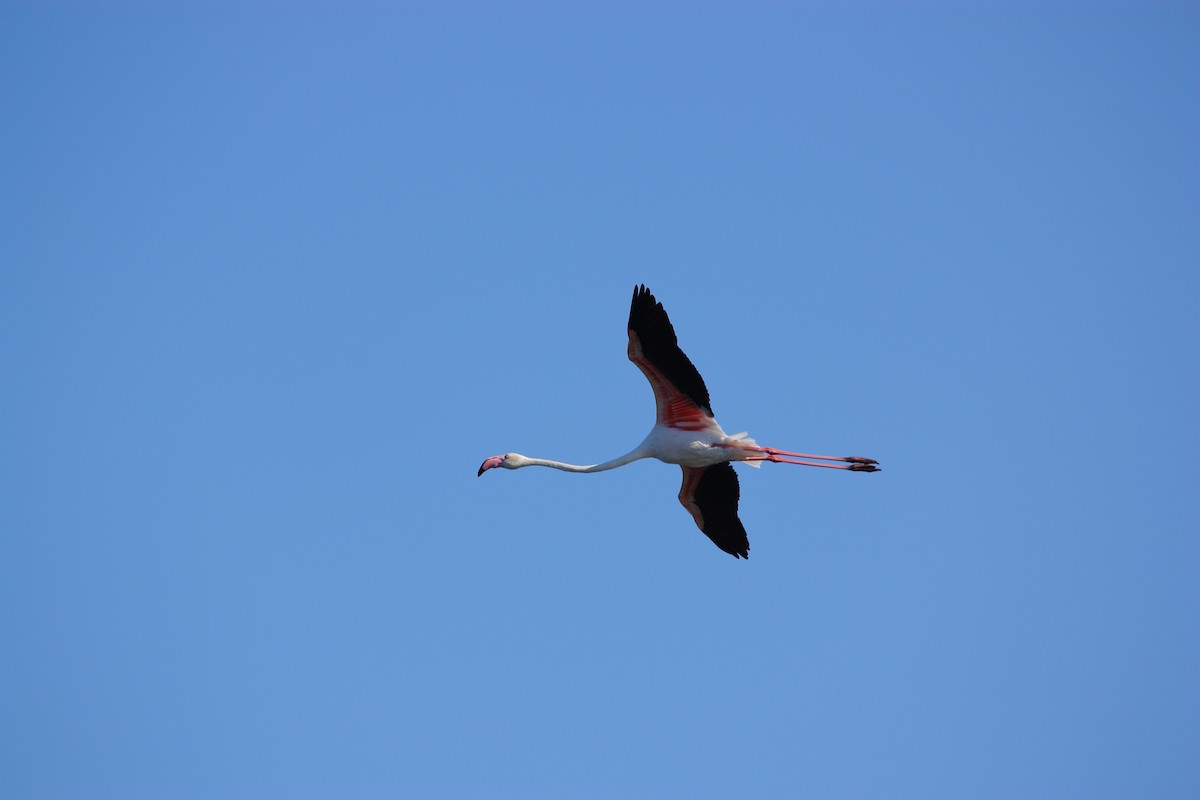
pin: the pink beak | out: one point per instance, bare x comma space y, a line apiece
494, 461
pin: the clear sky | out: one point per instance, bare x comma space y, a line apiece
276, 278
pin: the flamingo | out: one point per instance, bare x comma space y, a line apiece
685, 433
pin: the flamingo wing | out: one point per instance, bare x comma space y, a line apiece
710, 494
679, 391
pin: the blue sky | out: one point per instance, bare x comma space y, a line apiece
274, 280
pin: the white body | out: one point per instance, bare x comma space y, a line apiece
701, 448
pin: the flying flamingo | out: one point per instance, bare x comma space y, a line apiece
686, 434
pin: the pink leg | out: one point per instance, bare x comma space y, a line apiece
855, 466
851, 459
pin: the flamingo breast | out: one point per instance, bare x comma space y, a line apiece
689, 448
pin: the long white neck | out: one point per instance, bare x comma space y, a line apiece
616, 462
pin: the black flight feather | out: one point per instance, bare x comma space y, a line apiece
717, 493
660, 347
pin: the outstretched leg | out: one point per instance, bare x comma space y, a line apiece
852, 463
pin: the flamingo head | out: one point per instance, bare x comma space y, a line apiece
507, 460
